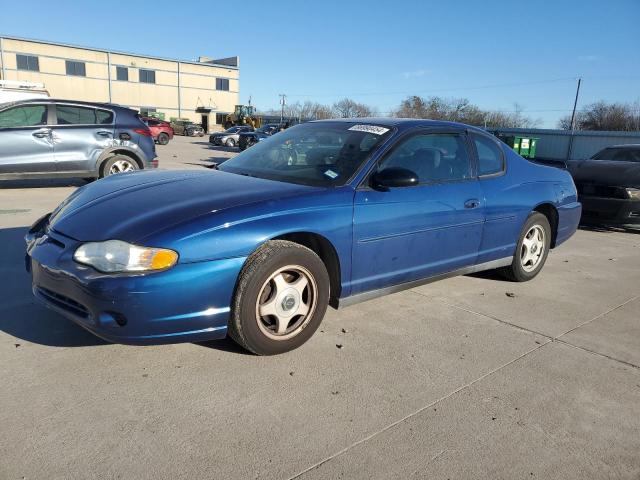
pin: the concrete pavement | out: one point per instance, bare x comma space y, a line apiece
451, 380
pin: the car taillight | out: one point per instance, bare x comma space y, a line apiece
145, 132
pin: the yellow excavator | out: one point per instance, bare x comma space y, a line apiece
243, 115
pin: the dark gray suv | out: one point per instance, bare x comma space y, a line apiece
46, 137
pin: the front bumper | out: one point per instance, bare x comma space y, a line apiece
215, 140
187, 303
610, 211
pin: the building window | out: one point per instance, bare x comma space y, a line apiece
147, 111
222, 84
122, 74
76, 68
147, 76
27, 62
220, 118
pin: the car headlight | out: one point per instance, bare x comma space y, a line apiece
634, 193
118, 256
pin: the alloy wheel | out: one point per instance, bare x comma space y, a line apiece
533, 245
121, 166
286, 302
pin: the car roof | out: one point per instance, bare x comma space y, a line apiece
75, 102
403, 122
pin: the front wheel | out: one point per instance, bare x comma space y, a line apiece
531, 251
230, 142
280, 299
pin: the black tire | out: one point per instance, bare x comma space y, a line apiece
247, 327
109, 163
201, 134
230, 143
517, 272
163, 139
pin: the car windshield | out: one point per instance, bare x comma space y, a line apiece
623, 154
317, 154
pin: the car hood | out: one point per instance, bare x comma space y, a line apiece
605, 172
132, 206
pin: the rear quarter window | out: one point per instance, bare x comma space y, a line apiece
490, 156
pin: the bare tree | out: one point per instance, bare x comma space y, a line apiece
347, 108
605, 116
461, 110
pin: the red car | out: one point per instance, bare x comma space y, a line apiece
160, 130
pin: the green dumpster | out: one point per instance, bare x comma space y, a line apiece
525, 146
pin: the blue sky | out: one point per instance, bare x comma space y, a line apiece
493, 52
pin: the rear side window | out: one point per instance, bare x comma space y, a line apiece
27, 116
71, 115
490, 158
619, 154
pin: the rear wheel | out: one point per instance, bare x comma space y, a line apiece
280, 299
118, 164
531, 251
163, 139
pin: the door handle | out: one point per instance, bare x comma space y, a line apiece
103, 133
42, 133
473, 203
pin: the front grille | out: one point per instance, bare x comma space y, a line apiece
64, 302
603, 191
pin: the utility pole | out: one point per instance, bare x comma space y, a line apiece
573, 120
575, 104
283, 101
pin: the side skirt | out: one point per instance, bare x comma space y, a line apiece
47, 175
363, 297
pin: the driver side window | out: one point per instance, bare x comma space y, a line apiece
436, 157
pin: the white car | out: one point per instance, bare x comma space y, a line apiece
12, 91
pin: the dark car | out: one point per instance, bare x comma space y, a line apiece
46, 137
609, 185
160, 130
230, 137
247, 139
187, 128
328, 212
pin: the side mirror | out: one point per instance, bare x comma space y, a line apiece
394, 177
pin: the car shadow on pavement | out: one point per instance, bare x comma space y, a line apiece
42, 183
605, 228
225, 345
21, 316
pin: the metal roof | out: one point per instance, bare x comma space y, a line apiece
102, 50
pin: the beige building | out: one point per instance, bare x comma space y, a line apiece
202, 91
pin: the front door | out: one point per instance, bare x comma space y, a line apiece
25, 140
409, 233
80, 135
205, 123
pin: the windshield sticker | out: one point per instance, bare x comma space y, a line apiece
375, 129
331, 174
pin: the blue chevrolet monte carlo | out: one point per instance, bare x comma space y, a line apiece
325, 213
